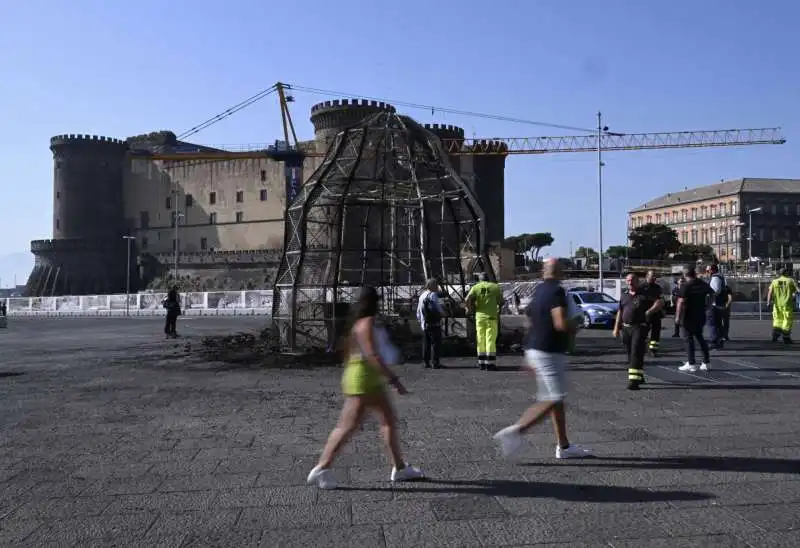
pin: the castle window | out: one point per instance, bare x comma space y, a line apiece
144, 243
785, 209
773, 209
168, 202
203, 243
58, 195
189, 200
58, 224
239, 196
239, 216
263, 194
212, 198
174, 245
263, 176
212, 219
144, 219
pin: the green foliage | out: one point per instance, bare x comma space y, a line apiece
654, 241
586, 252
618, 252
529, 243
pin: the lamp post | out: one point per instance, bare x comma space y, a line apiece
601, 130
750, 232
128, 276
177, 218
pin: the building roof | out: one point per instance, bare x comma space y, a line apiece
718, 190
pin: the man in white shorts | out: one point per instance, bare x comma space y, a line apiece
546, 342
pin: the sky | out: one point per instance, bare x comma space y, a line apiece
119, 69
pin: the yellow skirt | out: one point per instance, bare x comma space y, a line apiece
360, 378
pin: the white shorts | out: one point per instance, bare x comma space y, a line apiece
550, 370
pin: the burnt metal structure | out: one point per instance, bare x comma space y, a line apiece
386, 209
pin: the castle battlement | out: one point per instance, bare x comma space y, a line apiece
84, 140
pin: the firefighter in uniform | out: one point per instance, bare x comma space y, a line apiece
638, 305
485, 298
652, 288
676, 290
781, 294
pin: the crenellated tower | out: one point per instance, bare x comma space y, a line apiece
331, 117
83, 257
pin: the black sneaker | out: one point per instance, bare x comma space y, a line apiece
634, 385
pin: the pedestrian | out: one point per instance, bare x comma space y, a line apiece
714, 318
172, 303
726, 314
546, 342
676, 288
429, 315
516, 301
652, 287
694, 300
368, 354
637, 306
781, 294
485, 299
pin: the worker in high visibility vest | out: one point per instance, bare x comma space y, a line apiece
485, 298
781, 294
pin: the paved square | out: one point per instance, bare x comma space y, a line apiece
111, 436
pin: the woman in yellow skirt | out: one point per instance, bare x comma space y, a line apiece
364, 381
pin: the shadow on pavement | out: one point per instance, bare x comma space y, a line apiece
709, 386
535, 489
713, 464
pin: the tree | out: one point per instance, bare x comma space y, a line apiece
529, 243
585, 252
618, 252
692, 252
654, 241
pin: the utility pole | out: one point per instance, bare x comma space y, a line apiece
128, 276
600, 130
750, 231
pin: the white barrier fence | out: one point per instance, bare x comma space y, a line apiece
216, 303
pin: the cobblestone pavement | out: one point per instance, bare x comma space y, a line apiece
111, 438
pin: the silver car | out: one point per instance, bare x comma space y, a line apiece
598, 309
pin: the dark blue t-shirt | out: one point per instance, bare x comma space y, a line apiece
542, 334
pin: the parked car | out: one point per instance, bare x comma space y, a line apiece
598, 309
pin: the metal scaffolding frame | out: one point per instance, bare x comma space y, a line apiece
385, 209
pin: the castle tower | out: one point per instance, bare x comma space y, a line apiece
488, 171
331, 117
87, 253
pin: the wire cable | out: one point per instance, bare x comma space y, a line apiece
432, 108
228, 112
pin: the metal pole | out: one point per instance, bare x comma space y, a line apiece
600, 197
177, 244
760, 305
128, 276
750, 236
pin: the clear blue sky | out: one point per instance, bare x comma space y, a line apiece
117, 69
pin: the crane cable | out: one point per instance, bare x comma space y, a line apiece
228, 112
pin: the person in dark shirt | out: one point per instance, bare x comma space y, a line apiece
546, 342
637, 307
726, 314
172, 303
651, 287
694, 299
676, 288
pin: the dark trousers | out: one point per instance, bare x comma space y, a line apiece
694, 332
431, 344
726, 323
634, 337
655, 333
170, 325
714, 321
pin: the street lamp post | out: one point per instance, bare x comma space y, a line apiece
750, 232
601, 130
128, 276
177, 217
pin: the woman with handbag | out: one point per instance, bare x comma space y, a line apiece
368, 352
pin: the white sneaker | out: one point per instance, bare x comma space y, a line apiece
572, 452
323, 477
510, 440
407, 473
688, 368
704, 367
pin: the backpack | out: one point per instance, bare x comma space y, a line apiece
430, 312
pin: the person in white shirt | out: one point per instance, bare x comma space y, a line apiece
429, 315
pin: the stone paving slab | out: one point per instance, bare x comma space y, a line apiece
111, 436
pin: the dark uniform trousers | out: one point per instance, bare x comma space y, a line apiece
655, 332
634, 337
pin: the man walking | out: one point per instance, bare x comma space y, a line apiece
652, 288
546, 342
781, 294
637, 307
676, 288
694, 301
717, 283
429, 315
726, 314
485, 298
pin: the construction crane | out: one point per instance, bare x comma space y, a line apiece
610, 142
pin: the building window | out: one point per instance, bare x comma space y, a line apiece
239, 216
694, 237
733, 208
263, 195
144, 243
773, 209
174, 245
263, 176
212, 218
649, 219
760, 234
797, 209
713, 211
684, 216
212, 198
722, 210
189, 200
203, 243
694, 213
674, 216
713, 235
168, 202
239, 196
144, 219
58, 195
785, 209
58, 224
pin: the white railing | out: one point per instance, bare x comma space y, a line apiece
214, 303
